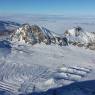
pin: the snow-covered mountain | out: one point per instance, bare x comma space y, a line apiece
34, 62
38, 68
35, 34
8, 27
78, 36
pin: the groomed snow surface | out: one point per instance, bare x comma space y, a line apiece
46, 70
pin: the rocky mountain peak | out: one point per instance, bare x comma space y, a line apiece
35, 34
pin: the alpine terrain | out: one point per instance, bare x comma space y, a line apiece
37, 61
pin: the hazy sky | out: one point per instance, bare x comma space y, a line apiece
59, 7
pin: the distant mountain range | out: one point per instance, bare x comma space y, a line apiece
77, 36
35, 34
37, 61
8, 26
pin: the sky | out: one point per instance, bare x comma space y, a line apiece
56, 7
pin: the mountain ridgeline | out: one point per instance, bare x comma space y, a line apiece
7, 27
36, 34
78, 37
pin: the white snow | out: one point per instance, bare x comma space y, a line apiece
45, 66
84, 37
49, 82
26, 68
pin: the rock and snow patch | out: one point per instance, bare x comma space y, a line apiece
71, 73
35, 34
77, 36
40, 67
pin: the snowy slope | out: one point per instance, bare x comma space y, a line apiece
8, 26
35, 62
36, 34
41, 67
78, 35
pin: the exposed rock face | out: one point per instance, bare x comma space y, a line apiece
77, 36
28, 34
35, 34
91, 46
